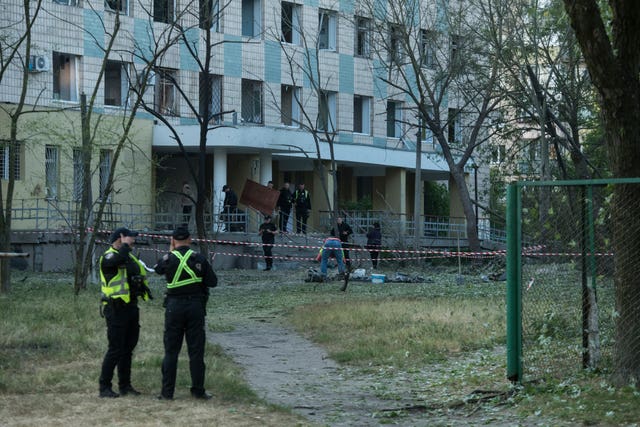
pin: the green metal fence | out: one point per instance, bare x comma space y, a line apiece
561, 310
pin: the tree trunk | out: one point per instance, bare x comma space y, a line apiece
472, 231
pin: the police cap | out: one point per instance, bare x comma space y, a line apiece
122, 231
181, 233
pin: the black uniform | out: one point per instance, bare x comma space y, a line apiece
184, 317
123, 319
230, 210
285, 201
374, 242
344, 231
268, 239
302, 199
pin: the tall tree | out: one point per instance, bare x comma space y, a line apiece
15, 51
195, 27
609, 36
437, 57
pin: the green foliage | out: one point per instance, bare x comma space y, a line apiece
436, 199
363, 204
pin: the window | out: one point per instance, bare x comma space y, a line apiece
290, 109
327, 111
66, 2
5, 161
425, 131
395, 44
362, 114
105, 169
455, 45
65, 77
166, 102
117, 5
499, 153
51, 168
394, 119
251, 101
427, 53
215, 100
454, 126
163, 11
78, 174
116, 84
327, 31
291, 23
210, 16
363, 37
251, 18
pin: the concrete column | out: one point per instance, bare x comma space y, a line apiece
318, 198
219, 180
396, 192
266, 167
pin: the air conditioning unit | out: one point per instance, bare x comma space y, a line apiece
39, 63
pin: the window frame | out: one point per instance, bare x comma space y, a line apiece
327, 111
294, 23
69, 81
254, 7
104, 170
331, 29
165, 81
169, 11
397, 119
294, 107
6, 166
52, 171
427, 51
363, 34
216, 15
123, 84
124, 6
362, 111
250, 115
78, 174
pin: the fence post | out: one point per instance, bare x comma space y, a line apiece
514, 288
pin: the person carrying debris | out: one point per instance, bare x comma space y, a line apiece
331, 247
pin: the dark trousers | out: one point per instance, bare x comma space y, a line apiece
374, 251
268, 255
301, 222
183, 317
123, 330
283, 219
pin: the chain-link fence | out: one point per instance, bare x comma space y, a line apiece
561, 288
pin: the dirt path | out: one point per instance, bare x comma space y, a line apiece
288, 370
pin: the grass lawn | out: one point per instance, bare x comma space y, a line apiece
52, 344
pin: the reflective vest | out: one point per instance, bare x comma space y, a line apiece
118, 286
193, 278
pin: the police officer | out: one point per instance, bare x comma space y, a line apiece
123, 280
189, 277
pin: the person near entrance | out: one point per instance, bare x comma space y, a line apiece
268, 232
302, 201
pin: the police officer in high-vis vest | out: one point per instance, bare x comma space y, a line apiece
123, 279
189, 277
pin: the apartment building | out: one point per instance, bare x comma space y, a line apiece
259, 104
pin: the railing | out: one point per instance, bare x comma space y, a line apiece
433, 226
43, 214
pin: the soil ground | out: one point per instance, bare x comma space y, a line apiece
286, 369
